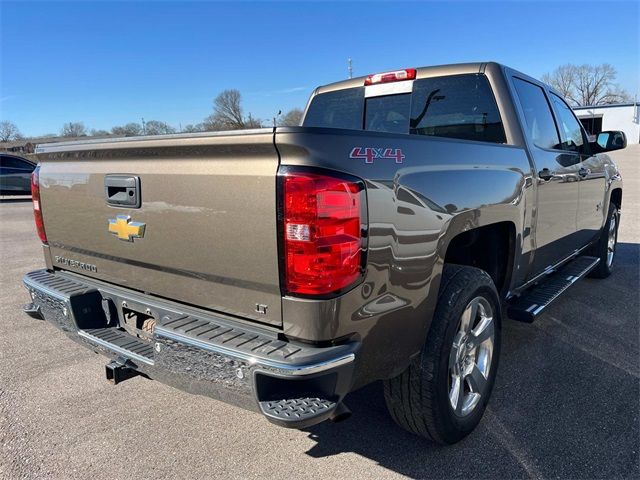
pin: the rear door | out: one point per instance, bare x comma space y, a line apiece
557, 178
205, 229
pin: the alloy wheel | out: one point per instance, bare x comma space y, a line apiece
470, 358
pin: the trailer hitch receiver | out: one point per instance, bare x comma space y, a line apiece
119, 370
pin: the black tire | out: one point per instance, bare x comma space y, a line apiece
601, 248
419, 398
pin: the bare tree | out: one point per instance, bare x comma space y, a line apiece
190, 128
98, 133
584, 85
9, 131
293, 118
156, 127
228, 113
129, 130
73, 129
562, 79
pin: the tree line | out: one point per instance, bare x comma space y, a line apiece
581, 85
228, 114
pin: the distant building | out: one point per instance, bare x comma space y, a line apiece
625, 117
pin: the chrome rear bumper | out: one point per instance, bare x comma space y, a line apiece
292, 383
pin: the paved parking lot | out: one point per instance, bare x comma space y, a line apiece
566, 401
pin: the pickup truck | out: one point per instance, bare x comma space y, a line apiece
385, 238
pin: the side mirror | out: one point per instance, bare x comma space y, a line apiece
611, 140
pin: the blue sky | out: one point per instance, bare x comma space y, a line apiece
110, 63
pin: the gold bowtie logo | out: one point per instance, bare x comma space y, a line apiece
125, 229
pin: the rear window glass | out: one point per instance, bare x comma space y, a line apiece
338, 109
461, 106
388, 114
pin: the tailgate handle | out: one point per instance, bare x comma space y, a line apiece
122, 191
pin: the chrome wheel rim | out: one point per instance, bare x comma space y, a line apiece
470, 357
611, 240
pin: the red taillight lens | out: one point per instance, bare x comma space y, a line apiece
386, 77
37, 207
323, 241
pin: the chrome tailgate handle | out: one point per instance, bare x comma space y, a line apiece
122, 191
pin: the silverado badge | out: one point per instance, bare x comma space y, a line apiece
125, 229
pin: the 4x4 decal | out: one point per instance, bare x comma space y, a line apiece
369, 154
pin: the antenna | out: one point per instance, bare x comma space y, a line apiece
350, 68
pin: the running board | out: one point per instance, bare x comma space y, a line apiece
532, 302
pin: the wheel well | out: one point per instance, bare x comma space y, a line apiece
616, 197
489, 248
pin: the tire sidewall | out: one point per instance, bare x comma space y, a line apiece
456, 299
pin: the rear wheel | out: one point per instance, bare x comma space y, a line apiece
442, 395
605, 249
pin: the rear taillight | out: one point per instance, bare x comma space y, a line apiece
322, 225
37, 207
386, 77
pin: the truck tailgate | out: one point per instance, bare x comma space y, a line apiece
208, 205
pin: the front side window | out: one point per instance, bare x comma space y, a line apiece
541, 127
460, 106
570, 129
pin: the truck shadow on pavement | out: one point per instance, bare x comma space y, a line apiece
565, 403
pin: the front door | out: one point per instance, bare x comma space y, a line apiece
591, 174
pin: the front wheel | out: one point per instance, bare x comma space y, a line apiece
442, 395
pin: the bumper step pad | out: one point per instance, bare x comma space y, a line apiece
120, 342
533, 302
300, 412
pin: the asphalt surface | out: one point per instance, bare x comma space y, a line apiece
566, 402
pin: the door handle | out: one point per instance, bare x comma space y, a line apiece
583, 172
545, 174
122, 191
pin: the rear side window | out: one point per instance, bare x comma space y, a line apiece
541, 127
460, 106
338, 109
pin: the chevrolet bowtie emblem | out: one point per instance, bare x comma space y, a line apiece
125, 229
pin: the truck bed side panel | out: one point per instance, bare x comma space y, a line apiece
442, 188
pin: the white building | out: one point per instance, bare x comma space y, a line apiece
625, 117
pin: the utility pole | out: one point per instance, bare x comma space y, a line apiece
144, 127
350, 69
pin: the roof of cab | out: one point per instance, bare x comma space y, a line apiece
421, 72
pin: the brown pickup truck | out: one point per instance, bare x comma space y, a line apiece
383, 239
